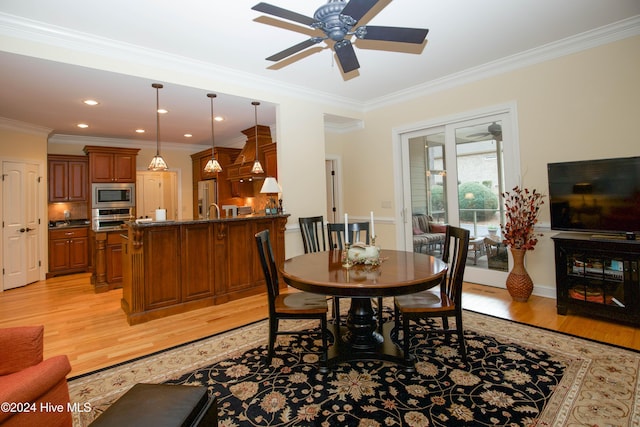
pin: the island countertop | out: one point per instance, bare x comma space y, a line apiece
170, 267
248, 217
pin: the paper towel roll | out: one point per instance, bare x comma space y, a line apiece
161, 214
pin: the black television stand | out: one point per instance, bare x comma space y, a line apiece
598, 277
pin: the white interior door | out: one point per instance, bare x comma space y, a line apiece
156, 190
20, 246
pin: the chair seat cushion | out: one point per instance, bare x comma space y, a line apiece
301, 302
426, 301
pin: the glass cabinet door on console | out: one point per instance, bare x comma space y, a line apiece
597, 280
598, 277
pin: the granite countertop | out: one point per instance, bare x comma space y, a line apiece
248, 217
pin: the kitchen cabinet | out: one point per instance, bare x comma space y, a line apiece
111, 164
68, 251
107, 260
68, 178
598, 276
271, 160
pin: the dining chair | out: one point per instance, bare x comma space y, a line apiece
442, 303
312, 229
294, 305
358, 232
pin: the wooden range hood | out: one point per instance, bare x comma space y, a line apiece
240, 170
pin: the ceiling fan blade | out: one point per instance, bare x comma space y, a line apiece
392, 34
294, 49
283, 13
479, 135
346, 56
358, 8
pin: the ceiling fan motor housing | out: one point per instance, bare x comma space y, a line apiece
330, 20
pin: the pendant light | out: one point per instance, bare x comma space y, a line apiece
157, 163
257, 167
212, 165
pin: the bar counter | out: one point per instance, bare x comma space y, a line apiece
170, 267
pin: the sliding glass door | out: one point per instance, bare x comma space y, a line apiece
455, 174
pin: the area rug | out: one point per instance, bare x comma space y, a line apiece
517, 375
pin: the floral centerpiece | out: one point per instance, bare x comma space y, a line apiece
522, 208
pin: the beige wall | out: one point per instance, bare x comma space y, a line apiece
578, 107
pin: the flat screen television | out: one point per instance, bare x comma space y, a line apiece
595, 195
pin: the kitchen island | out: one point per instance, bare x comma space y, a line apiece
170, 267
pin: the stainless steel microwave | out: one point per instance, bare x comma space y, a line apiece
113, 195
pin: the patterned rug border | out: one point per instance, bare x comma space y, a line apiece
599, 385
620, 347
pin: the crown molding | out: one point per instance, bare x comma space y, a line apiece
18, 126
122, 143
590, 39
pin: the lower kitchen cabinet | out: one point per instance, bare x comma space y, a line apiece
107, 260
68, 251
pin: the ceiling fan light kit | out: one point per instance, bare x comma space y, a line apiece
338, 19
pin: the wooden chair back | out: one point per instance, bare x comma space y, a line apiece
357, 230
268, 263
456, 249
312, 229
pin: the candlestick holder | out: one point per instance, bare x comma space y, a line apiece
346, 262
373, 240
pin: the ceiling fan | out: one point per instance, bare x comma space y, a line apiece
494, 130
338, 19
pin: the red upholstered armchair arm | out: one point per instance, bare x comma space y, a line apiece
29, 384
21, 347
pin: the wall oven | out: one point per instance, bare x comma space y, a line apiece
113, 195
105, 219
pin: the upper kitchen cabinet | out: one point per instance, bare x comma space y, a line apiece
240, 170
68, 178
111, 164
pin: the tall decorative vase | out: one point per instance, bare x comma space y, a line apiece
519, 284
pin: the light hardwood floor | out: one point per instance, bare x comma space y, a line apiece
92, 330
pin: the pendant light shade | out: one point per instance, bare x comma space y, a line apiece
257, 167
212, 165
157, 163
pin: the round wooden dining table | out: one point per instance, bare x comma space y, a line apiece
398, 273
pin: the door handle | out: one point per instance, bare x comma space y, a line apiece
22, 230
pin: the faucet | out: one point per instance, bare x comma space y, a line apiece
217, 210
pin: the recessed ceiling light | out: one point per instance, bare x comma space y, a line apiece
218, 118
139, 130
187, 135
162, 111
90, 102
83, 125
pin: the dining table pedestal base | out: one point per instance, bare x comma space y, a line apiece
363, 339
